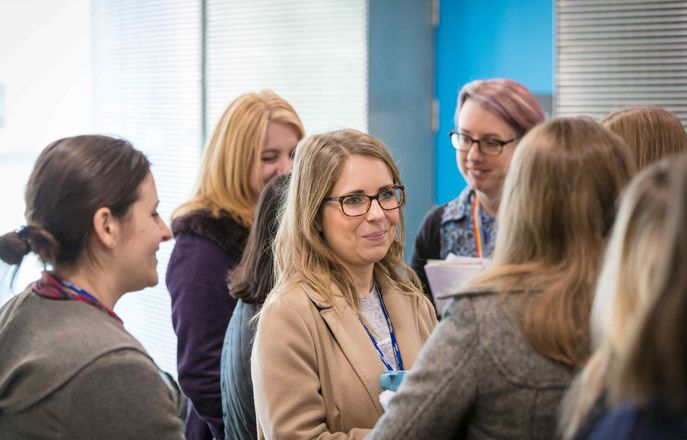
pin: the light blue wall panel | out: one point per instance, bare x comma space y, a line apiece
487, 39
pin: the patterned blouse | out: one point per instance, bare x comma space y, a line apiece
457, 234
450, 228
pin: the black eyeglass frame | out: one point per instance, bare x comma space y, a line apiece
479, 143
341, 199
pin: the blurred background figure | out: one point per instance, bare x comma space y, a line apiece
647, 385
499, 362
642, 279
249, 284
652, 133
253, 142
345, 308
68, 368
491, 118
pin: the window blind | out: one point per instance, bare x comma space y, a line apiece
152, 87
311, 52
613, 53
146, 75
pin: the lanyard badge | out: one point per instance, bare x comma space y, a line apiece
392, 335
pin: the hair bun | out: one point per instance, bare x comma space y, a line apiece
14, 245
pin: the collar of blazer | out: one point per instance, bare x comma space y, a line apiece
350, 335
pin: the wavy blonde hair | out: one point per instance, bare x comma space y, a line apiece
301, 255
558, 207
653, 360
635, 273
233, 153
652, 133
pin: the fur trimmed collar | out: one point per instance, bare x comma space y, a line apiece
224, 230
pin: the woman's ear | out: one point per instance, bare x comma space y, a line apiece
106, 227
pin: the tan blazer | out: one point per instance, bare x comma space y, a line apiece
315, 371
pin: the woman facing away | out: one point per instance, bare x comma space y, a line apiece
499, 362
345, 307
491, 118
634, 276
249, 283
253, 142
68, 368
652, 133
646, 382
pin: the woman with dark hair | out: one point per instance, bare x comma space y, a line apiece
249, 284
491, 118
497, 365
68, 368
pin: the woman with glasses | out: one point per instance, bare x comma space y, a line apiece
491, 118
497, 365
345, 307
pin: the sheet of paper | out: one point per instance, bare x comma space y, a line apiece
448, 276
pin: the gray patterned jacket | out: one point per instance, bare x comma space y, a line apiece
477, 377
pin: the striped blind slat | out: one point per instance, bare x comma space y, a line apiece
613, 53
147, 89
311, 52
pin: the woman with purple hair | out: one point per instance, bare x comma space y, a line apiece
491, 118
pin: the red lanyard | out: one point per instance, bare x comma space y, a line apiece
477, 226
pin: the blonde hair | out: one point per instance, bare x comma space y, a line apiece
558, 207
651, 132
653, 360
233, 153
301, 255
644, 259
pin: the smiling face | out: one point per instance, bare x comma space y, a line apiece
359, 242
485, 174
142, 232
276, 155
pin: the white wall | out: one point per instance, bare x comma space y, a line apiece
45, 69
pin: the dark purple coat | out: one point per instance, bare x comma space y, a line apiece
206, 249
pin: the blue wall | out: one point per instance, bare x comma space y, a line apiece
480, 40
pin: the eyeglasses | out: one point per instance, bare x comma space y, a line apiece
489, 147
356, 205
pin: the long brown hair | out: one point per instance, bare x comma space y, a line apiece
653, 359
652, 133
631, 279
301, 255
253, 278
558, 207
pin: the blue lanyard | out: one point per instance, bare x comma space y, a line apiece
78, 290
392, 335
